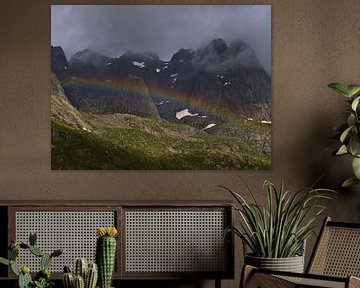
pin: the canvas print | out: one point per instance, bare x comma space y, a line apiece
160, 87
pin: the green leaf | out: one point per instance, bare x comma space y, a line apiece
349, 182
351, 120
4, 261
355, 103
345, 134
356, 167
353, 89
354, 145
340, 88
14, 268
342, 150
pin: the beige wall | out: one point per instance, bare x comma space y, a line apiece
315, 42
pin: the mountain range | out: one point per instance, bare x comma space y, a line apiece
210, 81
220, 90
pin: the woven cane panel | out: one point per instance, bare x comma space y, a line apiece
306, 282
338, 253
74, 231
175, 241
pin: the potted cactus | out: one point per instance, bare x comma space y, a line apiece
84, 275
106, 254
42, 278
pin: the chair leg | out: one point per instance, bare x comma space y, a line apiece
246, 274
251, 279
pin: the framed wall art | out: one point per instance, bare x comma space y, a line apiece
160, 87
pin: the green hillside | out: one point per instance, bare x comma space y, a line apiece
122, 141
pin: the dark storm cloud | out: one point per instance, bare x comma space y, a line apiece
163, 29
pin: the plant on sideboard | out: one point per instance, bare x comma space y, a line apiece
106, 254
42, 278
277, 231
348, 132
84, 275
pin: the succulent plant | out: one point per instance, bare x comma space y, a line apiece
42, 278
85, 275
106, 254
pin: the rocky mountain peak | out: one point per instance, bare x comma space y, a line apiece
58, 60
183, 55
218, 46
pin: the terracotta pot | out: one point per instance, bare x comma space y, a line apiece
291, 264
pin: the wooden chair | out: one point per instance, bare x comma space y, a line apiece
335, 262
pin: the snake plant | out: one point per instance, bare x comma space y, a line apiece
279, 228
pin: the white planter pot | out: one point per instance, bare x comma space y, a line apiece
291, 264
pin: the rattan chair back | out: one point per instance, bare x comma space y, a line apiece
337, 252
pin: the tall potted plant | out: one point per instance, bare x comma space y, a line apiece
276, 233
348, 132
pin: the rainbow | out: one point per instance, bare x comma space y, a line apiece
126, 86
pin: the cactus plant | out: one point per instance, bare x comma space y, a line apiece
79, 282
42, 278
24, 280
80, 268
88, 273
91, 276
105, 254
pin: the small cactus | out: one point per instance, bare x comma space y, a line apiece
79, 282
81, 266
32, 238
45, 261
36, 251
13, 253
68, 280
91, 276
89, 272
24, 278
106, 254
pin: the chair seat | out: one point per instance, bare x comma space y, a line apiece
315, 282
268, 279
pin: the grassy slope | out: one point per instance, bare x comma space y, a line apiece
130, 142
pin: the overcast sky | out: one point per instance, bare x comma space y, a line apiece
164, 29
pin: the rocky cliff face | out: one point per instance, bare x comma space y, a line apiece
62, 109
59, 63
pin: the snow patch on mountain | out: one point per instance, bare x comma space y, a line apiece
184, 113
139, 64
210, 126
